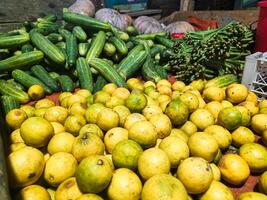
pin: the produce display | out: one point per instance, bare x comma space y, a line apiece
184, 141
92, 114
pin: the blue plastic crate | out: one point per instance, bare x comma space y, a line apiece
126, 4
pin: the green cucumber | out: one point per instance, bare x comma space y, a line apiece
9, 103
16, 84
97, 46
161, 71
119, 44
54, 37
71, 50
164, 41
27, 48
41, 73
64, 32
49, 49
66, 83
79, 33
28, 80
109, 49
8, 89
150, 36
100, 83
22, 61
8, 42
54, 75
148, 71
83, 48
157, 48
84, 74
61, 45
107, 71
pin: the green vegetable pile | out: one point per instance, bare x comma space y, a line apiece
211, 53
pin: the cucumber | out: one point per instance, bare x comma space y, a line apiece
131, 30
9, 103
9, 89
41, 73
18, 52
107, 71
85, 21
71, 50
28, 80
16, 84
109, 49
119, 44
8, 42
64, 32
157, 48
27, 48
164, 41
100, 83
79, 33
66, 83
161, 71
49, 49
222, 81
61, 45
22, 61
150, 36
97, 46
83, 48
54, 75
148, 71
55, 37
84, 74
131, 64
129, 45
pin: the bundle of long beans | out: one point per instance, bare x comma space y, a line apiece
210, 53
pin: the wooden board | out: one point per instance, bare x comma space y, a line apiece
222, 17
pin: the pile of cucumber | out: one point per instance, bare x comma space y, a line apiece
80, 52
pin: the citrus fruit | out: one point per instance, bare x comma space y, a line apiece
151, 110
123, 112
15, 137
236, 93
230, 118
61, 142
110, 88
178, 86
264, 137
40, 112
101, 97
263, 104
132, 119
126, 154
163, 125
218, 191
58, 128
252, 97
234, 169
87, 144
136, 102
68, 189
74, 123
144, 133
29, 110
259, 123
202, 118
93, 174
191, 100
36, 131
163, 89
179, 134
114, 101
263, 183
84, 92
221, 135
163, 98
189, 128
34, 192
164, 82
114, 136
25, 166
214, 107
16, 146
255, 155
216, 172
226, 104
90, 197
63, 95
15, 118
133, 83
125, 184
92, 128
198, 144
242, 135
149, 83
177, 111
44, 103
251, 196
121, 92
263, 111
92, 112
59, 167
198, 85
213, 93
245, 115
36, 92
199, 169
56, 114
77, 109
175, 148
252, 108
153, 161
108, 119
